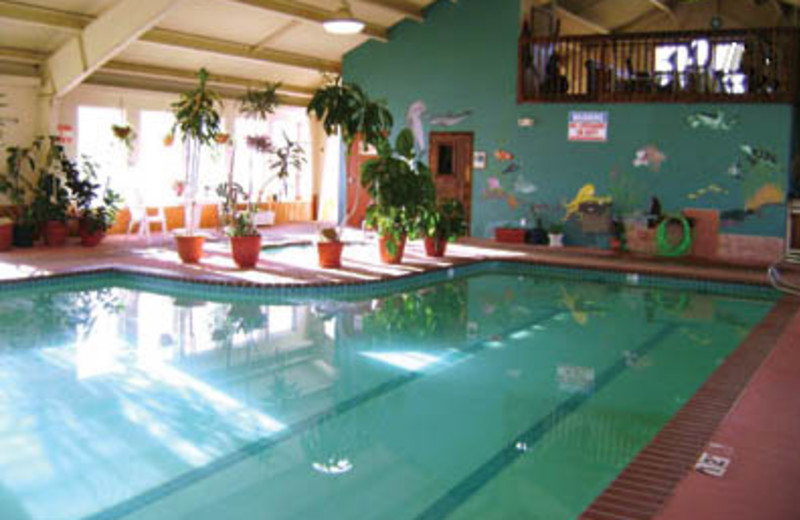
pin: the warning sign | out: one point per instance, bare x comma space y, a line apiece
588, 126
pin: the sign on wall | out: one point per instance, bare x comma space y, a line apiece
588, 126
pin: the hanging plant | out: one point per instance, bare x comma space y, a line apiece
222, 138
260, 143
169, 139
125, 134
260, 104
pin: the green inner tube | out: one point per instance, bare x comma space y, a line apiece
667, 249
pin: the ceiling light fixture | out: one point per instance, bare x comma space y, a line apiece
342, 21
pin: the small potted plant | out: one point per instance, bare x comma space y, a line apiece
15, 184
329, 249
125, 135
6, 233
198, 120
51, 207
442, 224
245, 238
555, 234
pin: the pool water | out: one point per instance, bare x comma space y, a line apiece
492, 395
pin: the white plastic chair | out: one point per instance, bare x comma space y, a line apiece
140, 216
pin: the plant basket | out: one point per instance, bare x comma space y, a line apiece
386, 256
55, 233
246, 251
6, 236
190, 248
330, 254
435, 247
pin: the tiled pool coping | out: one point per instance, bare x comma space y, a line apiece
642, 488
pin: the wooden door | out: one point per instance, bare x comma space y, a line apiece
451, 163
357, 197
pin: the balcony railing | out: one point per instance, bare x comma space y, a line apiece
754, 65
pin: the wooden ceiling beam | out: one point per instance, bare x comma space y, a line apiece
402, 7
310, 13
563, 12
75, 22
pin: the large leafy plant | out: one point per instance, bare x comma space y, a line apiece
346, 109
97, 206
198, 120
260, 104
400, 186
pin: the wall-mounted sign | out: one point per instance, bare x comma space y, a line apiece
588, 126
66, 133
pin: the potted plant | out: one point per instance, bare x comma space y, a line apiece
15, 184
245, 239
400, 187
329, 249
198, 120
442, 224
124, 134
556, 234
51, 199
6, 233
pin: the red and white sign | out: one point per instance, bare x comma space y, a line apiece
66, 134
588, 126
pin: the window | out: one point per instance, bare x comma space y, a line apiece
97, 142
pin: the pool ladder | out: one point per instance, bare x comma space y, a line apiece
777, 281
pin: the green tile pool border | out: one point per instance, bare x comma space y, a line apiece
212, 288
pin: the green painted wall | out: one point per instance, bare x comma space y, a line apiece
464, 57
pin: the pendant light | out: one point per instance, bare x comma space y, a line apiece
342, 21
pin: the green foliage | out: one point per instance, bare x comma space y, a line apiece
15, 183
288, 157
84, 191
447, 220
400, 186
196, 114
242, 224
260, 104
346, 108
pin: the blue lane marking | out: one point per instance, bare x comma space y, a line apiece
191, 477
445, 505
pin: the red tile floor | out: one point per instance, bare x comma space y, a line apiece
761, 423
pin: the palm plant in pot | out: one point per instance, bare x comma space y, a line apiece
198, 120
399, 186
346, 110
51, 199
442, 224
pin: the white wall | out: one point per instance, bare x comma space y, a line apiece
19, 115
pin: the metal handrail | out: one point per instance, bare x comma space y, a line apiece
774, 275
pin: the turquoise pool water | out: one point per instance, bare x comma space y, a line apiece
497, 394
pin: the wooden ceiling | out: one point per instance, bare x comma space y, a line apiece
242, 42
620, 16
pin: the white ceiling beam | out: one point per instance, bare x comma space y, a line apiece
310, 13
661, 5
75, 22
101, 40
582, 20
402, 7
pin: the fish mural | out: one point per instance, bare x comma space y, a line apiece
735, 171
585, 194
414, 116
511, 168
759, 157
765, 196
714, 121
503, 155
711, 189
450, 118
650, 157
494, 190
524, 187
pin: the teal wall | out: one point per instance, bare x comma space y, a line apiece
464, 58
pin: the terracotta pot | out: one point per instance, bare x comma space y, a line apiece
55, 233
330, 254
246, 251
74, 227
190, 248
435, 246
386, 256
24, 235
90, 238
6, 236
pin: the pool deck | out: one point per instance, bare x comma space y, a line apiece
746, 405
